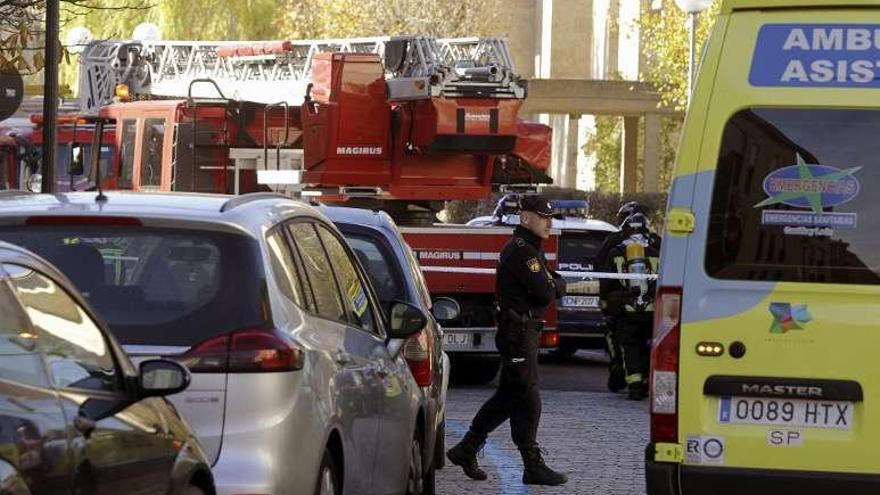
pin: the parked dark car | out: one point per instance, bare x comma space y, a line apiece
76, 416
396, 276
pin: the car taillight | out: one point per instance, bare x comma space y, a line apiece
664, 365
549, 339
245, 351
417, 352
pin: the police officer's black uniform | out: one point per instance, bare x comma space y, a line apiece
525, 286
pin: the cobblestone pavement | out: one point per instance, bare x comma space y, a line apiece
597, 439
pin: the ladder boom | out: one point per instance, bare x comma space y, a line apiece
273, 71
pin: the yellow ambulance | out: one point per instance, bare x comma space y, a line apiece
765, 377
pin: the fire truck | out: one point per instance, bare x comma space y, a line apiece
21, 140
401, 124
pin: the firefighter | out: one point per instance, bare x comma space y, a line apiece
616, 376
630, 303
525, 286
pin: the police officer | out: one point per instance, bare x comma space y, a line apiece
525, 286
630, 303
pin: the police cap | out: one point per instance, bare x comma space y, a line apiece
536, 204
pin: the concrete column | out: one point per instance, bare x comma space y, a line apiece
571, 47
652, 152
559, 148
523, 35
572, 151
629, 167
613, 41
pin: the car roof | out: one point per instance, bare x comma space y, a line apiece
729, 6
567, 223
359, 216
249, 212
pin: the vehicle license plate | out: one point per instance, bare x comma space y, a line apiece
457, 340
580, 301
786, 412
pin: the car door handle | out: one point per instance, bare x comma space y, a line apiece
343, 358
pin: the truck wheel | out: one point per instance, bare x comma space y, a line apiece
565, 350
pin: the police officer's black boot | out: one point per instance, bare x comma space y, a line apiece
535, 472
464, 455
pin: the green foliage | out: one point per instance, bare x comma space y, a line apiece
606, 144
304, 19
666, 32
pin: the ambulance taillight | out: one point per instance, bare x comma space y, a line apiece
664, 365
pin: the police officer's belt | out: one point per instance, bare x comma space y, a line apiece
508, 315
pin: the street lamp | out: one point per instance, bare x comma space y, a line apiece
77, 39
693, 8
146, 31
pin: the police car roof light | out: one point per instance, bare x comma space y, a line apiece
570, 207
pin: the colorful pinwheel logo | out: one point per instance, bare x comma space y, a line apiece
786, 317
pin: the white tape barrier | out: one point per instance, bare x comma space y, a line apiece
582, 275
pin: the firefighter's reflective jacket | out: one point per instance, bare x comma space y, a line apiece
635, 255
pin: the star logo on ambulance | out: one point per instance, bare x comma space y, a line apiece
786, 317
810, 186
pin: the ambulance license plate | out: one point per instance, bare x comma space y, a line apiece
580, 301
786, 412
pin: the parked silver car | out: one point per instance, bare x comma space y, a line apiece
298, 385
396, 276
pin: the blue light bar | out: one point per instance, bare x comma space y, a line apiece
570, 207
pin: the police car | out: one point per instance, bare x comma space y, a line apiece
581, 324
763, 373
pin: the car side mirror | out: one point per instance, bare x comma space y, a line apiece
161, 377
405, 320
77, 160
446, 310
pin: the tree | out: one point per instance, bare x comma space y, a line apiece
666, 32
22, 32
311, 19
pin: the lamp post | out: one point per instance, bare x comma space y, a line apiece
693, 8
50, 96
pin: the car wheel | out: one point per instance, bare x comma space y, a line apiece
328, 477
565, 351
440, 446
193, 490
415, 483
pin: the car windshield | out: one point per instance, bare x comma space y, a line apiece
577, 250
157, 286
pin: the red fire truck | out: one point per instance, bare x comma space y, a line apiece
400, 124
20, 151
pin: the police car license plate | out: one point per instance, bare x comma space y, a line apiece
786, 412
580, 301
456, 340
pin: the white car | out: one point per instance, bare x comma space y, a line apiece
299, 385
